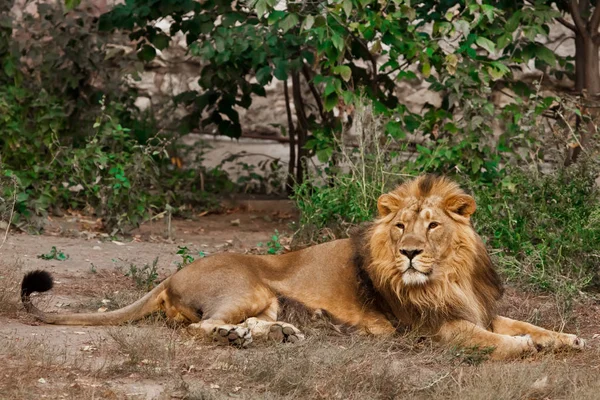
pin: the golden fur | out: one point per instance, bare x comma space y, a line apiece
420, 264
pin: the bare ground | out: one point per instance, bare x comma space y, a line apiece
153, 360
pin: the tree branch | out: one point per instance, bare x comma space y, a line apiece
292, 135
313, 90
567, 24
563, 21
579, 23
595, 20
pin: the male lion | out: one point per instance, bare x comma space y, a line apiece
419, 264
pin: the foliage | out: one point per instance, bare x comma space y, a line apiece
146, 277
542, 226
346, 49
273, 245
109, 174
54, 254
186, 257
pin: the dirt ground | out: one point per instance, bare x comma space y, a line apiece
155, 360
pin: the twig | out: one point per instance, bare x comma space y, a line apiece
572, 131
433, 383
12, 212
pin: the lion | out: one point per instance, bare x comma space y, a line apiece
419, 265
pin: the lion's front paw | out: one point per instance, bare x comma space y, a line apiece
560, 341
514, 347
284, 332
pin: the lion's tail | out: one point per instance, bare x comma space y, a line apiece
41, 281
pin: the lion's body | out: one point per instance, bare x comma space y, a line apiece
420, 264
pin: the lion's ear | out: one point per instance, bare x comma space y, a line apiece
387, 203
461, 204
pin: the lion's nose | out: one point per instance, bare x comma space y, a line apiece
411, 253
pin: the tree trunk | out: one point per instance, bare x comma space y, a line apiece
292, 133
587, 83
302, 126
579, 63
592, 67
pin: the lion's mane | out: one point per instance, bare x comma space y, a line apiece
469, 289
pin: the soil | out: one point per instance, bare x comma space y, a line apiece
153, 359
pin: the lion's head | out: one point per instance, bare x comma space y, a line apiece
424, 256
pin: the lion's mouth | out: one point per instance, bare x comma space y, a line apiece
413, 269
414, 274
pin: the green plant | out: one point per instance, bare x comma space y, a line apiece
146, 277
273, 245
54, 254
186, 257
333, 200
542, 227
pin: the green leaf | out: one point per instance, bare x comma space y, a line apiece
347, 6
147, 53
331, 101
426, 69
338, 41
546, 55
513, 22
309, 21
325, 154
263, 75
344, 71
280, 69
161, 41
71, 4
9, 67
289, 22
394, 129
486, 44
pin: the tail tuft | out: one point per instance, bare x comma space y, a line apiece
35, 281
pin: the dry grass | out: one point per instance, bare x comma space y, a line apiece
324, 366
10, 280
151, 357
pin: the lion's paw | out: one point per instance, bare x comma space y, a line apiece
514, 347
224, 333
560, 341
284, 332
233, 335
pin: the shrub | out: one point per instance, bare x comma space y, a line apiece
543, 227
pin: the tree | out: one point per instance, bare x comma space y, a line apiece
345, 50
586, 21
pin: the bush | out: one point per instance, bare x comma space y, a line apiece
543, 226
109, 175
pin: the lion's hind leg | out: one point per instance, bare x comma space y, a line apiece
541, 337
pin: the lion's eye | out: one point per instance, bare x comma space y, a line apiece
400, 225
433, 225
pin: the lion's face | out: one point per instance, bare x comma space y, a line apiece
423, 218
